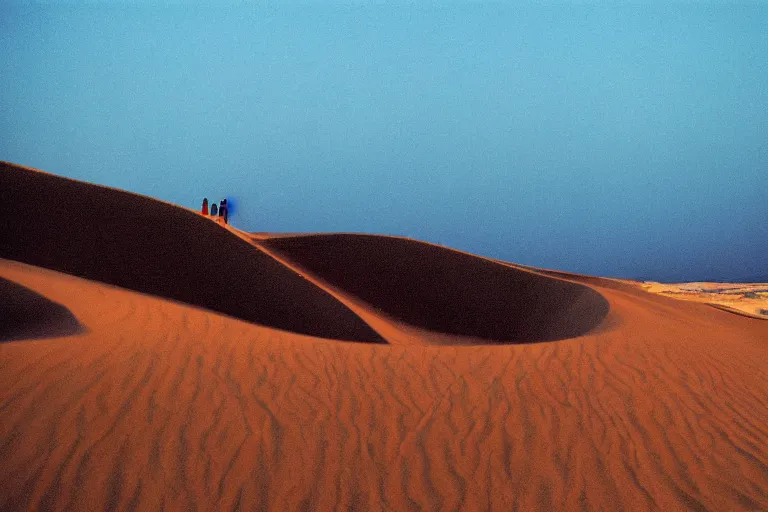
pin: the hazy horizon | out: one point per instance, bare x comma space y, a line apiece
614, 141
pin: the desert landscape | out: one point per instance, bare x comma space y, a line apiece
152, 359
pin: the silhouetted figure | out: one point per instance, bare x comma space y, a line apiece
205, 206
214, 209
224, 210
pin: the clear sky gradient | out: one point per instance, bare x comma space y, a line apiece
615, 141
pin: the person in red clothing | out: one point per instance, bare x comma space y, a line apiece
205, 206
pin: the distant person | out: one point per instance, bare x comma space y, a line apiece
205, 206
214, 209
225, 208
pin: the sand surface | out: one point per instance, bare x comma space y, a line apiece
463, 383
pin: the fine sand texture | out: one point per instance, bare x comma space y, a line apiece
290, 382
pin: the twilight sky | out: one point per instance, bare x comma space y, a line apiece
625, 142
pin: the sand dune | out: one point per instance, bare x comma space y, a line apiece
447, 291
158, 403
145, 245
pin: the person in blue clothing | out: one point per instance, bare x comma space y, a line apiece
214, 209
224, 210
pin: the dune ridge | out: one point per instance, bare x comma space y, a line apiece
162, 404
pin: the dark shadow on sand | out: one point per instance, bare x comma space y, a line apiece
446, 291
25, 315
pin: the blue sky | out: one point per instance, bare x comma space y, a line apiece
615, 141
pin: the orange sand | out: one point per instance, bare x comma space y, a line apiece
190, 387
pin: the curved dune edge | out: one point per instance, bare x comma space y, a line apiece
394, 331
431, 289
149, 246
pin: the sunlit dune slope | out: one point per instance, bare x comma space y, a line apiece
153, 247
447, 291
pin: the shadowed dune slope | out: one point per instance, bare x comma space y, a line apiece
447, 291
25, 314
146, 245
